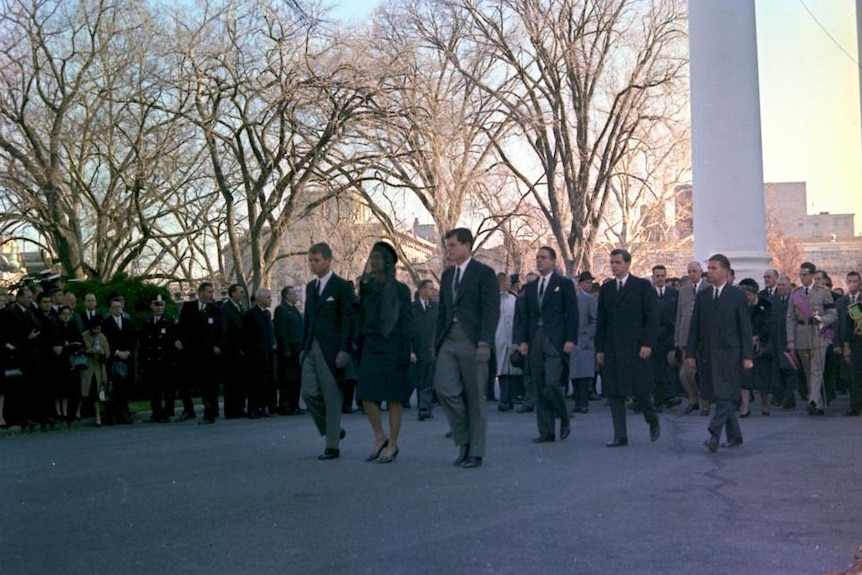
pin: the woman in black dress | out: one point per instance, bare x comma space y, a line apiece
68, 342
384, 325
761, 378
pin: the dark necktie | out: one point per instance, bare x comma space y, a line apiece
660, 293
457, 283
318, 289
715, 295
806, 291
619, 285
542, 288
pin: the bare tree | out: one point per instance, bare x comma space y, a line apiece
88, 159
584, 76
272, 93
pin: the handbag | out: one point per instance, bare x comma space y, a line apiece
119, 371
78, 362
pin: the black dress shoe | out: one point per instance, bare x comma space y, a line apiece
565, 431
425, 414
343, 434
654, 430
618, 442
376, 454
462, 455
712, 443
689, 408
185, 416
329, 454
544, 438
525, 409
812, 408
347, 410
471, 462
389, 458
300, 411
206, 421
705, 412
744, 415
505, 406
735, 442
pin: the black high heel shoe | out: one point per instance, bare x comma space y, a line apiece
389, 458
376, 454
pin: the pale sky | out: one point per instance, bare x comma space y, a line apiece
809, 97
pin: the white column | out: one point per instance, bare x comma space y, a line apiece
729, 210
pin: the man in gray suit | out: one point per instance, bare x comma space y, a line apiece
582, 362
684, 308
466, 321
720, 346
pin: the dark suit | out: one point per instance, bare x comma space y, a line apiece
258, 338
236, 384
664, 374
464, 320
328, 324
157, 354
201, 332
123, 338
628, 320
546, 323
788, 374
17, 325
422, 372
851, 342
288, 338
720, 339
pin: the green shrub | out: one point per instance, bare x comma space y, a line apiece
137, 294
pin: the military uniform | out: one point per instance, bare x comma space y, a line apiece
811, 337
158, 355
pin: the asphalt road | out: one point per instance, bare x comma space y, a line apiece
250, 497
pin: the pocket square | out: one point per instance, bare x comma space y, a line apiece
330, 298
556, 289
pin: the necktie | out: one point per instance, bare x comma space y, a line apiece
660, 293
318, 287
202, 307
119, 322
715, 294
542, 288
694, 290
619, 285
457, 283
806, 291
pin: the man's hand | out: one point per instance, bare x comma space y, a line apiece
524, 349
58, 349
178, 345
33, 334
342, 359
790, 346
569, 347
747, 364
483, 352
645, 352
124, 355
216, 350
600, 358
412, 357
692, 363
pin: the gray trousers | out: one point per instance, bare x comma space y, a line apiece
459, 381
725, 416
546, 368
322, 395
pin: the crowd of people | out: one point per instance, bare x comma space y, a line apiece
703, 343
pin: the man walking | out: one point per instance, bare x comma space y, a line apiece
326, 346
626, 332
684, 309
849, 309
582, 363
546, 332
422, 354
720, 346
466, 322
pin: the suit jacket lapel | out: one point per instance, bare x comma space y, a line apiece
327, 290
465, 280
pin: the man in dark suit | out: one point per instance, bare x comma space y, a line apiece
849, 308
546, 331
422, 353
258, 339
626, 332
157, 353
720, 347
20, 336
288, 339
466, 323
235, 382
326, 346
770, 284
201, 331
90, 308
788, 366
122, 340
665, 379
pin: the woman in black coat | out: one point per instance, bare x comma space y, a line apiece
68, 342
384, 327
761, 377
